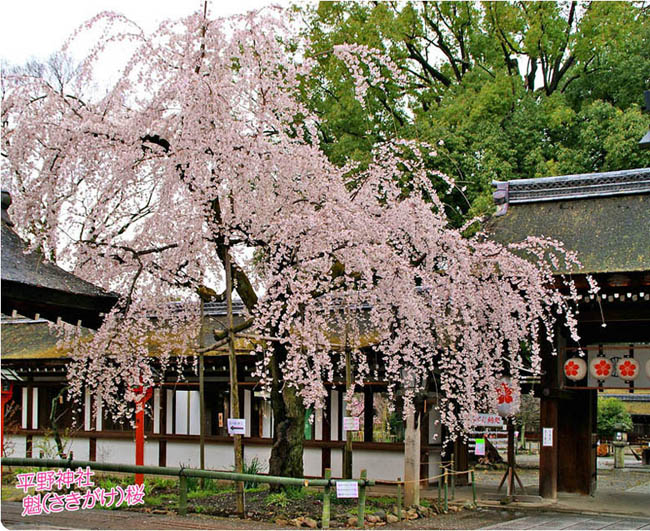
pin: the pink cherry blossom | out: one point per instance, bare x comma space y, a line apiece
201, 146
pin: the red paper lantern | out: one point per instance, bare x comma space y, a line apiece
575, 369
601, 367
507, 398
628, 369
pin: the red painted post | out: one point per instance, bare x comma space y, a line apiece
6, 396
139, 432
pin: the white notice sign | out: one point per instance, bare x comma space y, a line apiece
236, 426
350, 423
488, 420
479, 448
347, 489
547, 436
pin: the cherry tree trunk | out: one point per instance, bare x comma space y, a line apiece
288, 424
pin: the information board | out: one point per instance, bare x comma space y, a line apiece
547, 436
236, 426
350, 423
488, 420
347, 489
479, 446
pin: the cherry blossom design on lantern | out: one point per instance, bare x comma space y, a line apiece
504, 393
507, 398
628, 369
575, 369
600, 368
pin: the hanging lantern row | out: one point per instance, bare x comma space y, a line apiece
600, 368
575, 369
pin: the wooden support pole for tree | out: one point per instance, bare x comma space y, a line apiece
511, 457
347, 450
362, 499
473, 489
201, 396
325, 522
182, 495
412, 461
446, 499
399, 498
452, 463
234, 387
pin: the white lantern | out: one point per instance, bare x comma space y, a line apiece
601, 367
628, 369
575, 369
508, 398
647, 368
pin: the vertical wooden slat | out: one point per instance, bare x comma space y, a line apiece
368, 413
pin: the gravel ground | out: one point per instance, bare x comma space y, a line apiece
474, 519
609, 479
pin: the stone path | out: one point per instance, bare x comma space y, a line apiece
103, 519
573, 521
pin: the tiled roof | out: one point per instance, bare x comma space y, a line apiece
31, 284
604, 217
579, 186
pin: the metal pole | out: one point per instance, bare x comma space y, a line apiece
326, 500
362, 499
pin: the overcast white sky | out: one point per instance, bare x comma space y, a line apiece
37, 28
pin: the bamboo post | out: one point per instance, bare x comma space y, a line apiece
446, 505
439, 482
326, 500
182, 495
362, 499
399, 498
473, 489
453, 476
234, 387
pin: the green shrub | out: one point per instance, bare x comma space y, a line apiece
278, 499
612, 416
254, 466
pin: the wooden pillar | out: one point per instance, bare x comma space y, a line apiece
6, 397
461, 461
368, 413
92, 449
549, 402
326, 451
424, 444
162, 443
577, 459
412, 461
548, 455
139, 433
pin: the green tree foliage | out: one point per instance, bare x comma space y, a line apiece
612, 416
512, 89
